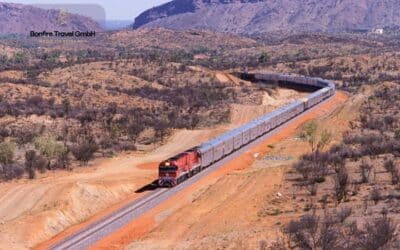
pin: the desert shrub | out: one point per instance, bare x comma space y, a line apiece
362, 139
343, 214
49, 148
41, 163
11, 171
303, 168
84, 151
375, 195
397, 134
390, 166
313, 232
264, 58
378, 234
365, 171
314, 166
7, 152
341, 184
127, 146
20, 58
24, 136
62, 160
331, 232
4, 132
35, 100
303, 231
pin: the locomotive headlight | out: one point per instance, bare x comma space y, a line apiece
167, 164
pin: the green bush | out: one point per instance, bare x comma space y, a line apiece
397, 134
49, 147
7, 152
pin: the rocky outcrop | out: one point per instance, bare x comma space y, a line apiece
21, 19
258, 16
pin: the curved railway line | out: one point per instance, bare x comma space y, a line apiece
92, 233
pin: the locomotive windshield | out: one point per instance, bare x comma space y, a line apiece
168, 169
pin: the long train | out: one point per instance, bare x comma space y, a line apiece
184, 165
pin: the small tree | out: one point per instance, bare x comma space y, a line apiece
30, 158
391, 168
316, 141
379, 233
324, 140
66, 106
365, 171
7, 152
264, 57
309, 134
341, 183
375, 195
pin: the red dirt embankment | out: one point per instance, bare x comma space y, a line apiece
147, 222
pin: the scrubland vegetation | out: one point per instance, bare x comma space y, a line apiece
61, 107
351, 189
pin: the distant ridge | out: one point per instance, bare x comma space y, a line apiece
258, 16
21, 19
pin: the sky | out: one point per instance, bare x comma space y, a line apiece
114, 9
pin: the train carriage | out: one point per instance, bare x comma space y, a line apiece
237, 139
218, 148
317, 97
182, 166
266, 121
246, 134
253, 130
228, 141
206, 152
260, 127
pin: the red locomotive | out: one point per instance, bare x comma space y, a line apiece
178, 168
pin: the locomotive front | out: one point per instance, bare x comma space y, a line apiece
167, 174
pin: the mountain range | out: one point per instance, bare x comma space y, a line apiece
258, 16
21, 19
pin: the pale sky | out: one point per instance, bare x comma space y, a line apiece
114, 9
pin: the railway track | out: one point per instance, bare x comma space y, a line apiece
87, 236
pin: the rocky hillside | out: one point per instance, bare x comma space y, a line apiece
257, 16
21, 19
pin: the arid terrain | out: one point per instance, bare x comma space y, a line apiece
64, 199
84, 125
258, 16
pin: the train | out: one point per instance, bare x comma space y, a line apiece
184, 165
